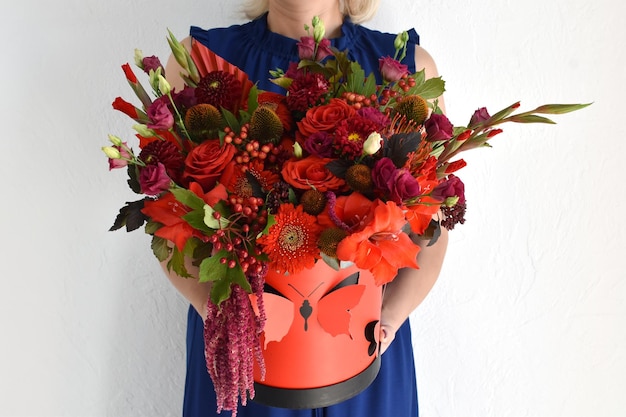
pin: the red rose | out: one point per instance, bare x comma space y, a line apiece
206, 162
311, 172
325, 118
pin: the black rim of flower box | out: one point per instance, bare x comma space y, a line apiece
316, 397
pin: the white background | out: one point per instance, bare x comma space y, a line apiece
529, 315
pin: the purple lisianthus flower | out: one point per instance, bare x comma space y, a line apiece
160, 115
383, 173
153, 179
151, 63
375, 116
184, 99
392, 70
115, 163
306, 49
452, 187
438, 127
478, 117
319, 144
403, 187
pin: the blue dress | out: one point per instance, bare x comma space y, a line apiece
256, 50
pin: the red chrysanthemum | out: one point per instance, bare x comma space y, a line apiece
306, 90
166, 153
291, 242
350, 135
219, 89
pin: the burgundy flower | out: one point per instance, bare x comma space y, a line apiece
391, 69
319, 144
478, 117
438, 127
350, 135
403, 187
384, 170
166, 153
451, 187
306, 49
220, 89
375, 116
160, 115
154, 179
151, 63
306, 90
184, 99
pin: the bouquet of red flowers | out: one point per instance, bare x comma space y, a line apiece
337, 169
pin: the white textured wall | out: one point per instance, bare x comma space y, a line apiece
529, 316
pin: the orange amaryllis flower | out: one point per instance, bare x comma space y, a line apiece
169, 212
291, 243
381, 246
353, 210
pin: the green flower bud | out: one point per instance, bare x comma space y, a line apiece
111, 152
297, 150
164, 86
115, 140
139, 58
451, 201
143, 131
318, 30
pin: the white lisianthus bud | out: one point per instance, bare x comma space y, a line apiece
143, 131
451, 201
111, 152
164, 86
139, 58
115, 140
372, 144
297, 150
318, 29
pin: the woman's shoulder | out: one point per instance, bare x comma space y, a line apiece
233, 33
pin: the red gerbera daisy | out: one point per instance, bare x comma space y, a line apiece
291, 242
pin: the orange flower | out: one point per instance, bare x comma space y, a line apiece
352, 210
381, 246
291, 243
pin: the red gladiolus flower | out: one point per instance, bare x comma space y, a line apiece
128, 72
125, 107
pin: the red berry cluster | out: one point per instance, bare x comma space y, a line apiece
247, 220
403, 85
359, 101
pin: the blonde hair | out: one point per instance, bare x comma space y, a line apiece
359, 11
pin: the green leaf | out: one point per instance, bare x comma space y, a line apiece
236, 276
220, 291
207, 222
177, 263
211, 269
430, 89
152, 226
231, 120
188, 198
133, 178
530, 118
160, 248
559, 108
253, 99
283, 82
271, 221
